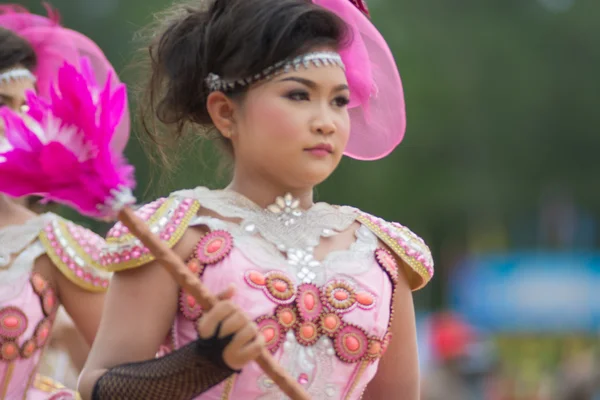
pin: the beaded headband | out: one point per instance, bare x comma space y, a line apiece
317, 59
16, 74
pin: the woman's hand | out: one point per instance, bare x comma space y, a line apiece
246, 344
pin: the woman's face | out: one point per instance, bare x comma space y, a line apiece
12, 95
294, 128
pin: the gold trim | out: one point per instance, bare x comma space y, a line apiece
61, 227
32, 374
6, 380
393, 244
228, 387
175, 237
361, 370
47, 384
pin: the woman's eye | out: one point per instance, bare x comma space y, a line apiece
341, 101
298, 96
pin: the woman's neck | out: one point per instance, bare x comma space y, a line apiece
263, 191
12, 212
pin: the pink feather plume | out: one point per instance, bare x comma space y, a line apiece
61, 149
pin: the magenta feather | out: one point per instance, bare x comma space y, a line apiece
61, 149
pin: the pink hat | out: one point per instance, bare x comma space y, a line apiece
54, 45
377, 111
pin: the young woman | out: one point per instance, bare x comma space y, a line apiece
45, 261
286, 87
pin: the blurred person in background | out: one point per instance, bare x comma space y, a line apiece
45, 261
465, 366
579, 376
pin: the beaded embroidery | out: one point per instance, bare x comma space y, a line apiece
76, 253
14, 323
168, 218
16, 75
214, 247
317, 59
211, 249
405, 244
317, 313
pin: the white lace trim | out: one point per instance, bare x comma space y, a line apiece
15, 239
305, 233
13, 280
355, 260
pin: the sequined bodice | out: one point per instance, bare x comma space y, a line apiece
325, 321
27, 308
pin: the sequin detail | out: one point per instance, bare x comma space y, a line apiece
340, 296
317, 312
404, 243
214, 247
308, 303
277, 286
28, 348
286, 317
187, 303
330, 323
42, 332
49, 301
167, 218
271, 331
76, 253
351, 344
307, 333
9, 350
13, 322
386, 260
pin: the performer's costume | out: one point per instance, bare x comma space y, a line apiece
28, 304
327, 322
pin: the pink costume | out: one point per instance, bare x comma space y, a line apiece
326, 321
28, 304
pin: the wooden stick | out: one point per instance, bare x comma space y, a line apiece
192, 285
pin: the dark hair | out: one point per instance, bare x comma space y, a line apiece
231, 38
14, 50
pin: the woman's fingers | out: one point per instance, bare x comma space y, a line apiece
207, 325
246, 345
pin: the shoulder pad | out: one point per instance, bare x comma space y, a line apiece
409, 247
167, 217
75, 251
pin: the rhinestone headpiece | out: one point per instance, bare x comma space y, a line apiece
16, 74
317, 59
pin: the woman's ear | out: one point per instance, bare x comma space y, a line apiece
221, 110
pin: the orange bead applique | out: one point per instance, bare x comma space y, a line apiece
13, 322
214, 247
308, 302
271, 331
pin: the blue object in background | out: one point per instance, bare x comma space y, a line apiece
529, 292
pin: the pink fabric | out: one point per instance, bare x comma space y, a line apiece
23, 370
377, 110
331, 378
61, 150
54, 45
